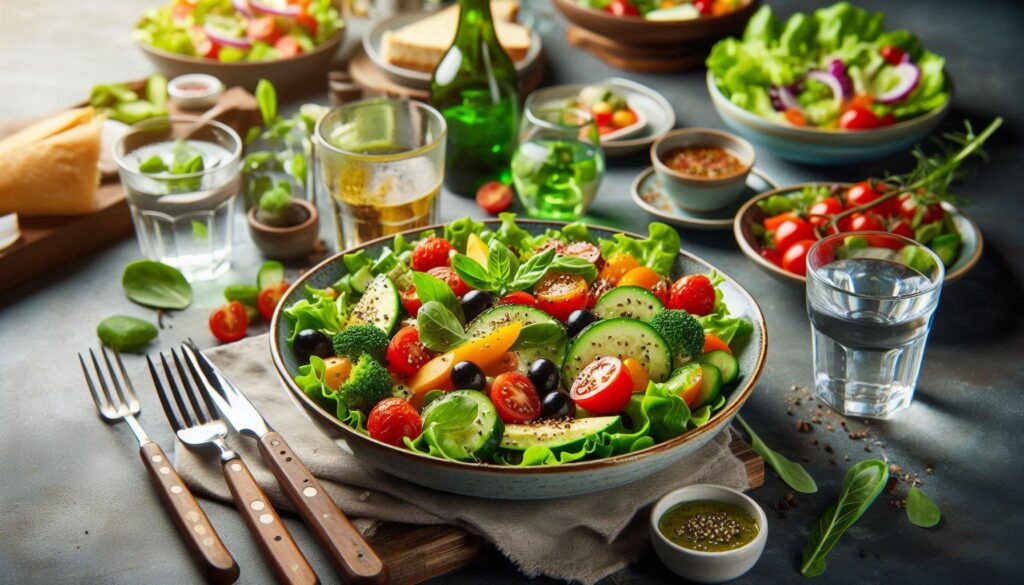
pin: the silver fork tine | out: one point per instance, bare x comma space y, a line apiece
115, 408
197, 408
161, 393
101, 404
133, 398
115, 382
177, 395
200, 379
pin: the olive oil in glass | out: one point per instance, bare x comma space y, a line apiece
476, 89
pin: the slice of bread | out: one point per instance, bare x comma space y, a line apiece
421, 45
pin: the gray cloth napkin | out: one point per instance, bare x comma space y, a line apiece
582, 538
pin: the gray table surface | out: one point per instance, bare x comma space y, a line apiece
77, 506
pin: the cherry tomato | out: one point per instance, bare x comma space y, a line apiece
795, 118
772, 223
515, 398
494, 197
661, 290
861, 100
336, 371
865, 222
288, 46
560, 294
585, 250
181, 10
617, 266
410, 301
862, 193
597, 290
455, 282
623, 118
602, 113
393, 419
908, 210
792, 231
406, 355
892, 55
694, 294
519, 297
263, 29
229, 322
704, 6
795, 258
269, 297
641, 276
307, 20
819, 213
713, 342
637, 373
431, 253
689, 382
859, 119
622, 8
902, 228
772, 255
603, 386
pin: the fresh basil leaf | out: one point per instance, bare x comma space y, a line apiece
439, 329
431, 288
122, 333
501, 262
921, 510
266, 98
574, 265
540, 334
475, 275
156, 285
862, 484
792, 473
532, 270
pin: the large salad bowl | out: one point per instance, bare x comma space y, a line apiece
513, 482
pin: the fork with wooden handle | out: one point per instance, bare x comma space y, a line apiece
215, 562
201, 426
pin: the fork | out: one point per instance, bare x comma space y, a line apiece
215, 562
199, 426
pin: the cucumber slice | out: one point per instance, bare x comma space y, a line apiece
361, 280
623, 338
378, 306
710, 385
628, 301
726, 363
555, 435
271, 273
465, 425
502, 315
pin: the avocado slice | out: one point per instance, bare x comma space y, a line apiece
555, 434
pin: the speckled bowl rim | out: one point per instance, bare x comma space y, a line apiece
722, 223
713, 426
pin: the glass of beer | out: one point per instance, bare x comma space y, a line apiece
382, 161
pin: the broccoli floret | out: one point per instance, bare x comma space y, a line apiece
368, 383
359, 339
681, 330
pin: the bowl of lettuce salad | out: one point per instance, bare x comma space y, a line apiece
541, 411
829, 87
242, 41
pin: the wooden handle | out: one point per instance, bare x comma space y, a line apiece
351, 555
215, 562
280, 550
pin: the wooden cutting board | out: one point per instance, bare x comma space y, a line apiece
414, 554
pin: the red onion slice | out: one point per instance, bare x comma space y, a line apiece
788, 98
220, 38
288, 10
832, 82
909, 77
242, 7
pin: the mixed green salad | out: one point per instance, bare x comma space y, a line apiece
239, 30
837, 68
498, 346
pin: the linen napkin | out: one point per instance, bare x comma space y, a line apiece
581, 538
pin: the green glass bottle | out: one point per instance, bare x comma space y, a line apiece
476, 89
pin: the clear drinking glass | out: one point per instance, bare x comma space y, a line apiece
182, 219
382, 161
559, 164
870, 297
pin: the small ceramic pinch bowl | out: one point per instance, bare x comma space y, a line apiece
708, 567
694, 193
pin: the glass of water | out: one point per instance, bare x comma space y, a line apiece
183, 211
870, 297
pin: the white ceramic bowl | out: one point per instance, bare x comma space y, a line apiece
708, 567
702, 193
195, 91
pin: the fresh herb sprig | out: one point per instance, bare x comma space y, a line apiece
792, 473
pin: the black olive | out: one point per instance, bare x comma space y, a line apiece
310, 342
468, 376
475, 302
557, 405
578, 321
544, 375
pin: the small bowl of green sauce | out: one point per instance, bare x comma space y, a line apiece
708, 533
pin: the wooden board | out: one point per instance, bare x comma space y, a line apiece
640, 58
414, 554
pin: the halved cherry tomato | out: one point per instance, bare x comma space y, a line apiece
431, 253
713, 342
410, 301
287, 46
688, 383
819, 213
494, 197
638, 374
641, 276
508, 362
269, 297
790, 232
694, 294
263, 29
229, 322
603, 386
865, 222
892, 55
772, 223
518, 297
602, 113
452, 278
393, 419
859, 119
336, 371
617, 266
795, 258
406, 355
597, 290
560, 294
515, 398
772, 255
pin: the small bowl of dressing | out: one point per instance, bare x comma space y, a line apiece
195, 91
702, 169
708, 533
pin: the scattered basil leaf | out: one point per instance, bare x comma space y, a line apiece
156, 285
123, 333
266, 98
439, 329
475, 275
790, 472
538, 335
574, 265
862, 484
431, 288
921, 510
243, 293
532, 270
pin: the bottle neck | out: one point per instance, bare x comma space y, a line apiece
475, 20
